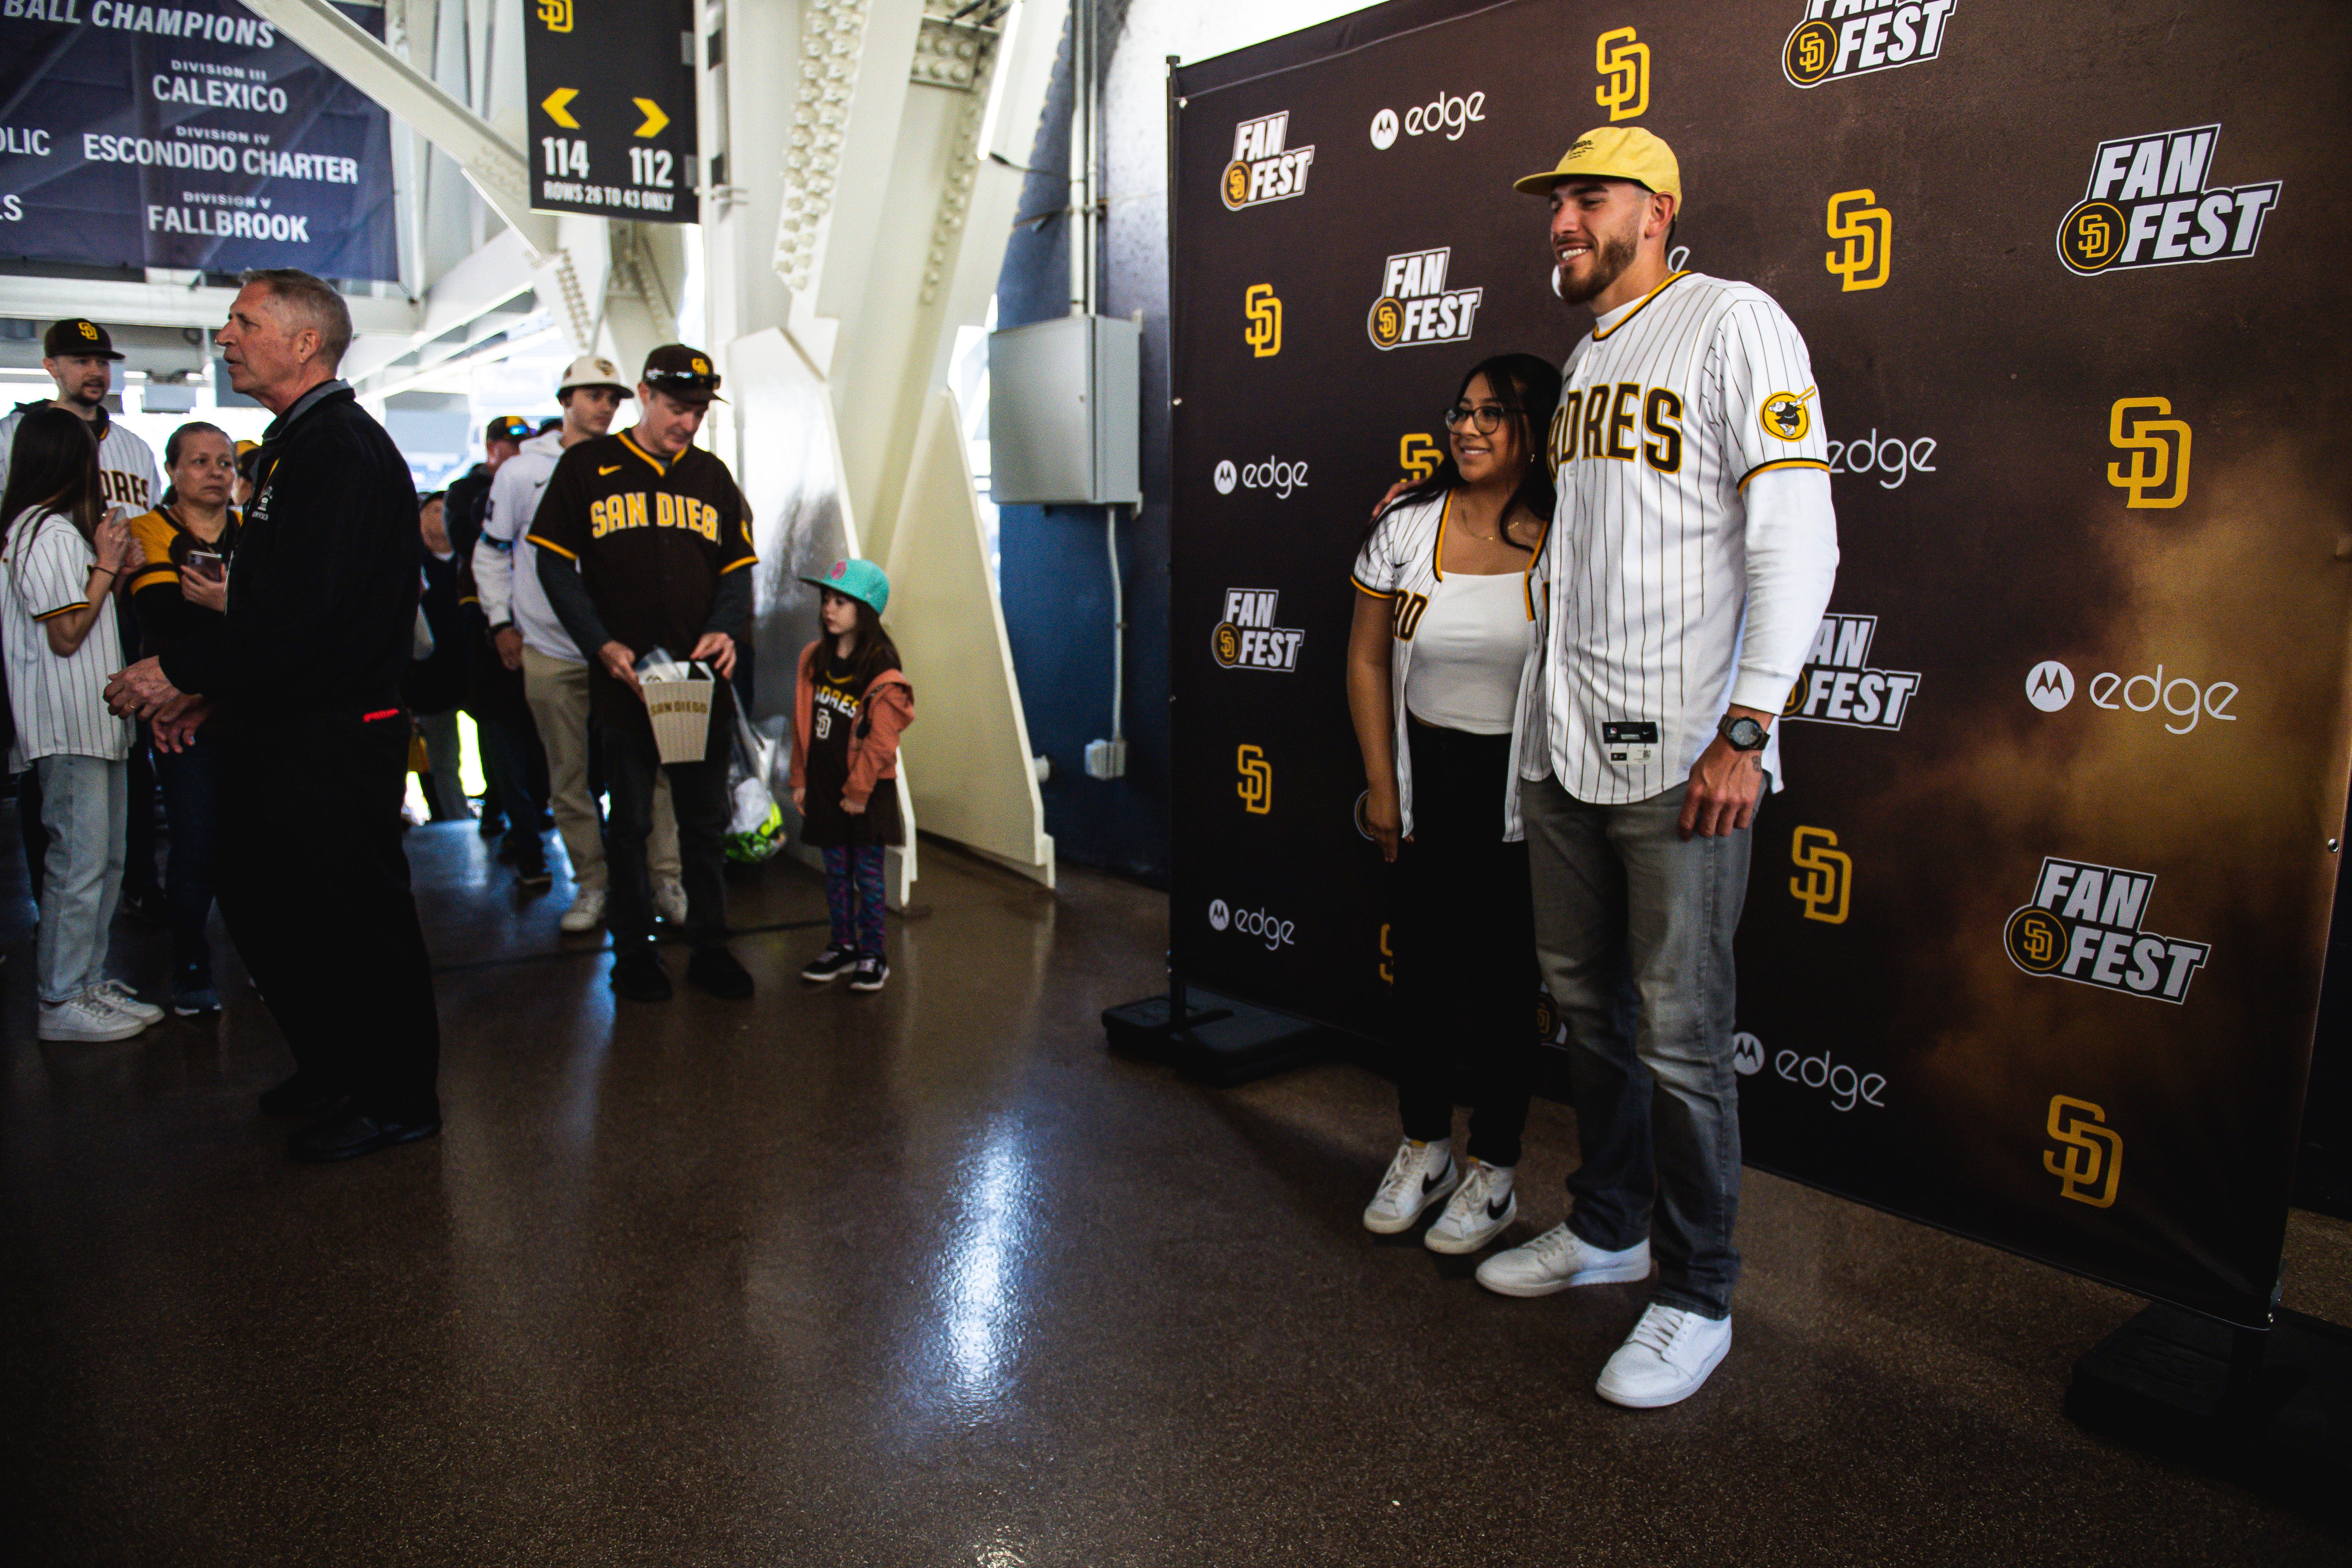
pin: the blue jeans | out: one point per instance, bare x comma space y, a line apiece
191, 782
1634, 929
85, 805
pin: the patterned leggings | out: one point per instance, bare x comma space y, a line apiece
854, 877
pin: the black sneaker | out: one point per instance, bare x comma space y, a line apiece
638, 975
872, 969
534, 874
837, 960
716, 970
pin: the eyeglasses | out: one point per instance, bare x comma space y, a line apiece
1486, 418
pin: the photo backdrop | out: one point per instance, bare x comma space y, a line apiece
2034, 940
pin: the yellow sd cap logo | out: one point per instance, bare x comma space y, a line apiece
701, 365
87, 331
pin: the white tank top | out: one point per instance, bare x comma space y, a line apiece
1468, 653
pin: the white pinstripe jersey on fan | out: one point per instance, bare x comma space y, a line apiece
1668, 408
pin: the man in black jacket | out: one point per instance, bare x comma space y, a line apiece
322, 609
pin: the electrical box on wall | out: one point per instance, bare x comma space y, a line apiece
1066, 411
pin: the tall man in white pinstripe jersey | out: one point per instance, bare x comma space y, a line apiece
1689, 563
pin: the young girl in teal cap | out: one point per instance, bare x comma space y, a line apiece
849, 704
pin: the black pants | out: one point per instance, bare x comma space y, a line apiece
697, 798
314, 888
1463, 940
515, 768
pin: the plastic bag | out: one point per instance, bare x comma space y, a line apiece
755, 827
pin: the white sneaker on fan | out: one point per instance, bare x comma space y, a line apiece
1558, 1259
1666, 1359
587, 910
1474, 1215
1411, 1187
669, 902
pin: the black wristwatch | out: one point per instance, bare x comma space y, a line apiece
1745, 734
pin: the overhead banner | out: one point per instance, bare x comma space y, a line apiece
613, 108
2034, 936
190, 136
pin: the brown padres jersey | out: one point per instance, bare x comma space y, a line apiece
652, 540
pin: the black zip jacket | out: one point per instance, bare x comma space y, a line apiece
322, 591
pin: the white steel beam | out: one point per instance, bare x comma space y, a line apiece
168, 304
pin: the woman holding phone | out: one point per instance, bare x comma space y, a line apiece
1445, 616
182, 592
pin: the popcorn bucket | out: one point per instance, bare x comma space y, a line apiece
680, 710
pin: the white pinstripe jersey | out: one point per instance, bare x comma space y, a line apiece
59, 703
1399, 563
126, 465
1668, 408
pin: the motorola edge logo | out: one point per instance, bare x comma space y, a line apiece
1273, 474
1273, 930
2084, 925
1445, 115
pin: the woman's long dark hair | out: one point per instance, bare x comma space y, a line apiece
1530, 388
53, 466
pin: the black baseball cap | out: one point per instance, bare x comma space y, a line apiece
76, 336
684, 373
510, 427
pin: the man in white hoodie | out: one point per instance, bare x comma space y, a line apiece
555, 677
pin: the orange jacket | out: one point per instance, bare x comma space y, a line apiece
888, 707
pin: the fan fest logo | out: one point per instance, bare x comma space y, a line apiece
1415, 307
2148, 205
1263, 170
1838, 684
1840, 38
2084, 925
1248, 638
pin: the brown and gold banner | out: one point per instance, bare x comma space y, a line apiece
2033, 941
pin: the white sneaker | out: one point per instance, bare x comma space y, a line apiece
586, 913
86, 1017
669, 902
116, 996
1410, 1187
1665, 1359
1558, 1259
1472, 1217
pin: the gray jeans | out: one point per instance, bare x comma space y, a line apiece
86, 806
1634, 929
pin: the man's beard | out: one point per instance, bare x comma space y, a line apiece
1611, 256
88, 398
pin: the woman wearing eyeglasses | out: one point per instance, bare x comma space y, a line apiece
1445, 616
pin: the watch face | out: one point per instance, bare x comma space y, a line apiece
1745, 734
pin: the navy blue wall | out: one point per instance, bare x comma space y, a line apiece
1054, 574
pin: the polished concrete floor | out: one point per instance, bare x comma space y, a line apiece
927, 1279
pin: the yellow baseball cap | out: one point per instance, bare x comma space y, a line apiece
1613, 152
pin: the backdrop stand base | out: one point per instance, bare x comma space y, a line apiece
1217, 1040
2280, 1423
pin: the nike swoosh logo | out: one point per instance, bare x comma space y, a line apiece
1496, 1211
1431, 1184
614, 470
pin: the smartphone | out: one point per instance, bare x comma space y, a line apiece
207, 565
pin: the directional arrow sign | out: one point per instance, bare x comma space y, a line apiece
607, 146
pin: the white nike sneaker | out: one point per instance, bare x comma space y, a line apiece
586, 913
85, 1017
1410, 1187
1665, 1359
669, 902
1472, 1217
116, 996
1558, 1259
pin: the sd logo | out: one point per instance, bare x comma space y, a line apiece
2093, 1162
1866, 232
1826, 889
1257, 788
1625, 62
2157, 477
1264, 334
